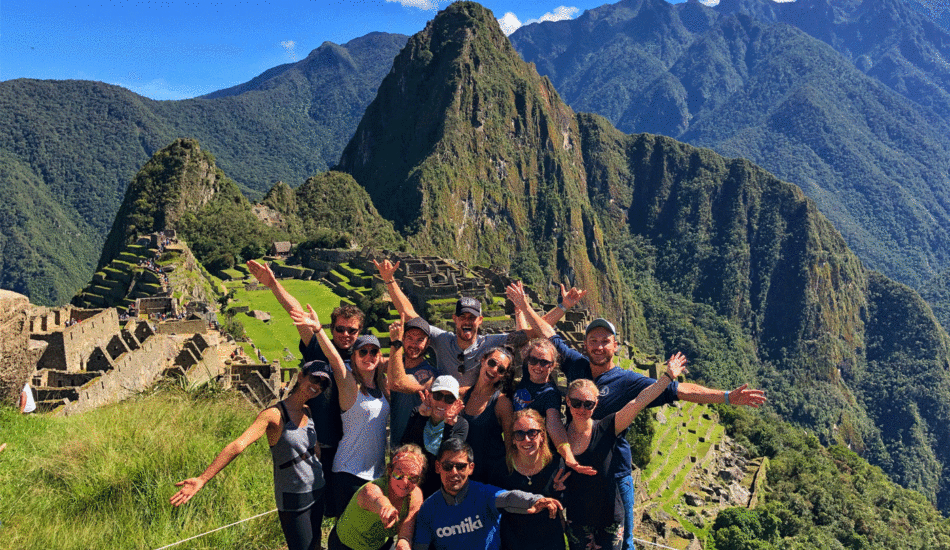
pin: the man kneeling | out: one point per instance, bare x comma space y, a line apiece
465, 515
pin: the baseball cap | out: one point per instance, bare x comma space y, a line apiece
446, 383
419, 323
366, 340
468, 305
600, 323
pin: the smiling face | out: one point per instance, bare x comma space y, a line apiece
414, 342
366, 359
439, 401
522, 430
540, 364
454, 469
493, 368
344, 332
582, 393
408, 469
466, 325
601, 345
312, 385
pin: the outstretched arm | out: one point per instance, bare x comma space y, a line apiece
540, 327
569, 299
674, 367
345, 383
265, 276
408, 526
558, 435
372, 499
398, 379
191, 486
742, 395
387, 270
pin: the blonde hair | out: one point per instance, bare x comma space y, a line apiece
544, 450
583, 383
412, 452
548, 346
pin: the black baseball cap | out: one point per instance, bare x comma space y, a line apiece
468, 305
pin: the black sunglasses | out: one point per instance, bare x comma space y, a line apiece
364, 352
345, 330
448, 466
578, 403
444, 397
493, 363
521, 435
461, 358
532, 360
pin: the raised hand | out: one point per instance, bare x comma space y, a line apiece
515, 293
570, 297
452, 413
580, 468
676, 365
552, 505
395, 331
745, 396
189, 488
262, 273
386, 269
424, 408
309, 320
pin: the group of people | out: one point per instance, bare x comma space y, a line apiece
478, 456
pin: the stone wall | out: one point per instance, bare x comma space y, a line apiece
15, 364
133, 372
69, 349
194, 326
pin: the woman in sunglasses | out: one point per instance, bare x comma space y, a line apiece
364, 401
298, 475
594, 512
384, 508
531, 469
434, 421
489, 414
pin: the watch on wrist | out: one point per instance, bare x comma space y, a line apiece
395, 344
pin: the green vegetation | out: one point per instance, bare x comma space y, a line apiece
103, 478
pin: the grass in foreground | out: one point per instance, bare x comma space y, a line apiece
103, 479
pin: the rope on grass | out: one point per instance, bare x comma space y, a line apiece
646, 542
218, 529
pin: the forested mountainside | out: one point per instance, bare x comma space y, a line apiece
685, 248
69, 149
848, 100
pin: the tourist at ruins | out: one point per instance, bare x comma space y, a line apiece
409, 373
298, 475
489, 414
346, 322
618, 386
531, 468
434, 421
384, 508
465, 514
363, 398
27, 403
458, 353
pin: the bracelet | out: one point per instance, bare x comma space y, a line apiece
563, 307
565, 444
726, 396
670, 376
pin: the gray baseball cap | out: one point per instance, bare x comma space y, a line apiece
600, 323
446, 383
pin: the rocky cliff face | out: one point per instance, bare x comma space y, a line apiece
15, 361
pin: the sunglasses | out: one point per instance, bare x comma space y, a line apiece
461, 358
521, 435
410, 478
364, 352
346, 330
444, 397
532, 360
493, 363
448, 466
320, 381
578, 403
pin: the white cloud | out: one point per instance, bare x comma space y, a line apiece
510, 22
291, 48
421, 4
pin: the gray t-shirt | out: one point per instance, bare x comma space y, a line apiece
449, 356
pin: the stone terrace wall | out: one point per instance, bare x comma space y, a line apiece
69, 349
194, 326
16, 365
134, 372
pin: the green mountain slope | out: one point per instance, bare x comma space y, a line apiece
78, 144
869, 144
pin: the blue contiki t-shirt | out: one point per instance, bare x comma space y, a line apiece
472, 524
617, 388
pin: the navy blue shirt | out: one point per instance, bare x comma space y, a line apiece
617, 388
539, 397
326, 406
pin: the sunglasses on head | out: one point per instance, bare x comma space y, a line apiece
410, 478
493, 363
532, 360
364, 352
448, 466
345, 330
444, 397
324, 383
521, 435
578, 403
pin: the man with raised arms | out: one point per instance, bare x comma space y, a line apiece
465, 515
457, 354
618, 386
409, 373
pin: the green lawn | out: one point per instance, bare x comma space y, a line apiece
279, 333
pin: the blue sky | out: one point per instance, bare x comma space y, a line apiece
178, 49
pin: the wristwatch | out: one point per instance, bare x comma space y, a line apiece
395, 344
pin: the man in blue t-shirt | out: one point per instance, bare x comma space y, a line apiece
619, 386
465, 515
409, 373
